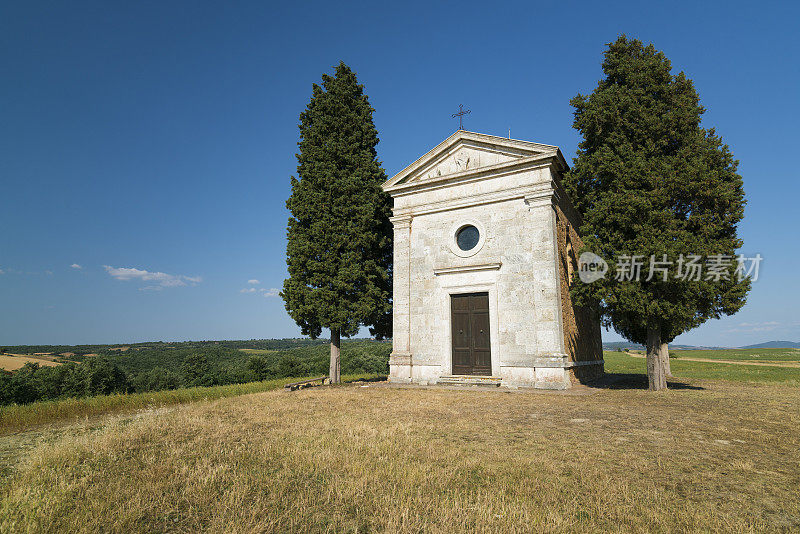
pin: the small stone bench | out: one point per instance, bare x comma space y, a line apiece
306, 383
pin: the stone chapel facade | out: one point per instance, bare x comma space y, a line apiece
484, 247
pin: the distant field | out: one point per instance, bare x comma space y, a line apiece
267, 344
110, 369
12, 362
755, 355
258, 351
774, 355
619, 362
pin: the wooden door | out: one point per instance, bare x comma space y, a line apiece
469, 317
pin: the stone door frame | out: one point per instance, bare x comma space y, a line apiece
472, 325
446, 346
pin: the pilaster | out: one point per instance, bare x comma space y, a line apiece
400, 359
542, 201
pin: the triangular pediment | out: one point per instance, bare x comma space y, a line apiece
465, 151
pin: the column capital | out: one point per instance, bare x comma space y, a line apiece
401, 221
544, 194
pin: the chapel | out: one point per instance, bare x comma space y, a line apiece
485, 243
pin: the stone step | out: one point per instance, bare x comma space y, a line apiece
467, 380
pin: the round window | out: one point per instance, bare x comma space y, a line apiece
467, 237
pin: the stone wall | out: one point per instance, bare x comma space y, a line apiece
581, 326
518, 272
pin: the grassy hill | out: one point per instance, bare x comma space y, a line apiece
424, 460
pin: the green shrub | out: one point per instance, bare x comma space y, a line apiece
162, 366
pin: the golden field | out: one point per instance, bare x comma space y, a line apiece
711, 455
12, 362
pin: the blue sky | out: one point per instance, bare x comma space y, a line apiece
160, 137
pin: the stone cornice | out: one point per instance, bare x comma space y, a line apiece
465, 136
468, 268
472, 175
464, 202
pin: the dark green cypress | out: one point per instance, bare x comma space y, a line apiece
648, 179
339, 247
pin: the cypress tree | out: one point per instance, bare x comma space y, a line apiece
339, 247
649, 180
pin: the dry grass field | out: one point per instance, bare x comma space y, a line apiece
12, 362
705, 456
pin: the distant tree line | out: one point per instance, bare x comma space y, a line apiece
357, 357
258, 344
160, 368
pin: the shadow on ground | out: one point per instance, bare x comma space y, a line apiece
379, 378
633, 381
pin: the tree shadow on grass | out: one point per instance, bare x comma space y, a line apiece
634, 381
378, 378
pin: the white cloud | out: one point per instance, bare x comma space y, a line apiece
161, 280
253, 282
48, 272
76, 266
271, 292
2, 271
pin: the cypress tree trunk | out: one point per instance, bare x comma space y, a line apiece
334, 373
665, 360
656, 379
